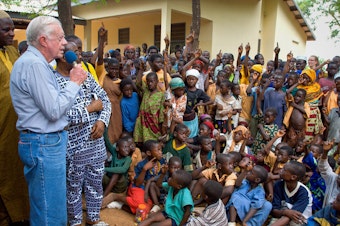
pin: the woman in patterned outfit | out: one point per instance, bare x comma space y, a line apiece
86, 152
314, 93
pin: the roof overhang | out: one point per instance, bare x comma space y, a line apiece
294, 8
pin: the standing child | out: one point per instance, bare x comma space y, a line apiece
178, 205
195, 97
225, 104
214, 213
296, 117
275, 98
149, 122
177, 104
266, 131
333, 120
292, 200
235, 89
248, 202
111, 86
129, 105
145, 170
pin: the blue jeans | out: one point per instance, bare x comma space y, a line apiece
44, 158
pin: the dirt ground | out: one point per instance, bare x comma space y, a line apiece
115, 217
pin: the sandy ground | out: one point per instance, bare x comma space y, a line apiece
115, 217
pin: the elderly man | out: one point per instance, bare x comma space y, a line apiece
13, 189
41, 106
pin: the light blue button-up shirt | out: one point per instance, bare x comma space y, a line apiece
40, 104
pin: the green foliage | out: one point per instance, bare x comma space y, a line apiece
314, 9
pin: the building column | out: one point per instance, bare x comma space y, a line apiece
165, 24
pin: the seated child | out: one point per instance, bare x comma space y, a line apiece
316, 183
266, 131
223, 173
276, 163
176, 146
292, 200
214, 213
157, 193
206, 128
330, 215
145, 169
300, 149
205, 153
178, 205
116, 178
248, 201
136, 156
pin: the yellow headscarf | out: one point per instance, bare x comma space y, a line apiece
313, 89
245, 134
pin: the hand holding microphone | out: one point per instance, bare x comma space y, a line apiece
77, 74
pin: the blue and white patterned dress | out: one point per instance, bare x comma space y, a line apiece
85, 156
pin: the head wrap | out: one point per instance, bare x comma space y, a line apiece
192, 72
257, 67
128, 47
176, 83
211, 127
245, 134
204, 116
243, 129
3, 14
313, 89
199, 62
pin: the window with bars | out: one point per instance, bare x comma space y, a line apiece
124, 36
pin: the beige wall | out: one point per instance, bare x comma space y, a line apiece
269, 19
289, 33
280, 26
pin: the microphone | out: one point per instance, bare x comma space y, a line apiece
71, 58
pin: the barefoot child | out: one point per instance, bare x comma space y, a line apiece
178, 205
145, 170
116, 178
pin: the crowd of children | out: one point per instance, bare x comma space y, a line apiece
255, 144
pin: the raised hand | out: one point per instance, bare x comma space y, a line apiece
247, 47
280, 133
327, 145
240, 49
289, 56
